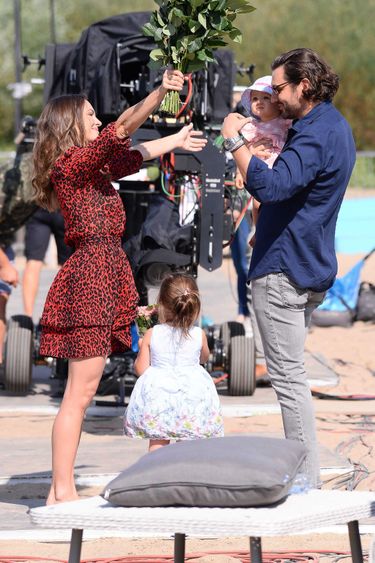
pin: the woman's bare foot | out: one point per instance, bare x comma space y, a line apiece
54, 499
50, 499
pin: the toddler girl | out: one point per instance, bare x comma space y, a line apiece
175, 397
266, 122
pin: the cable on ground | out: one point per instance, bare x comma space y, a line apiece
242, 556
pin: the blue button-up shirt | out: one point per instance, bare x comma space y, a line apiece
301, 197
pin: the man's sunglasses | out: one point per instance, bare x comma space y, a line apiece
279, 87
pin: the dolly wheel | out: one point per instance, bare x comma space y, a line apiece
241, 364
229, 329
19, 354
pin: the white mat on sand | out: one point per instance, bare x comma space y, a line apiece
299, 513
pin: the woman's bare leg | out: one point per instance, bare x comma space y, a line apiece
83, 380
156, 444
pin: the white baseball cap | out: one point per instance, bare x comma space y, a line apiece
262, 84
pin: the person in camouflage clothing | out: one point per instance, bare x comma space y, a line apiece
16, 206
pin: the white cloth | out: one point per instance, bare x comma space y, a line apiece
175, 397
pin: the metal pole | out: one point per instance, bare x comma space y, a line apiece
18, 63
179, 548
75, 546
355, 542
52, 20
255, 550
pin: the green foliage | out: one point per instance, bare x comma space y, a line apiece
72, 18
364, 171
342, 32
187, 32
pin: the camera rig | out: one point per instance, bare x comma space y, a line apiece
179, 213
110, 65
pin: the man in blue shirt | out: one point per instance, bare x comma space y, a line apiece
294, 260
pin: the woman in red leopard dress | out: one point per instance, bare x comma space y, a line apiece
93, 299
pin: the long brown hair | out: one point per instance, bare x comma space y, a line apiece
178, 302
306, 63
60, 126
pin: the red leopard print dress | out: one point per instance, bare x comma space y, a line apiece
93, 299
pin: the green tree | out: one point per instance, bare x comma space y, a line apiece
342, 32
72, 18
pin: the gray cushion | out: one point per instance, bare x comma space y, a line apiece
231, 471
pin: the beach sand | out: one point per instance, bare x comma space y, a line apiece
345, 427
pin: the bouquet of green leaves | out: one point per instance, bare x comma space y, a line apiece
147, 317
187, 32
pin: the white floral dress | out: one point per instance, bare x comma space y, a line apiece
175, 397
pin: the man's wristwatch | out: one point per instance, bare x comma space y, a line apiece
233, 143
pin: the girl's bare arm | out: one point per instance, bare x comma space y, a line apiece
205, 352
142, 361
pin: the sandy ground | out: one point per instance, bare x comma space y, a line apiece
345, 426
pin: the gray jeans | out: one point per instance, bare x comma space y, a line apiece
283, 312
259, 352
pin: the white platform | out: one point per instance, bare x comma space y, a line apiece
299, 513
305, 512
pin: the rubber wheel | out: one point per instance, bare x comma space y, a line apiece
241, 364
227, 331
19, 354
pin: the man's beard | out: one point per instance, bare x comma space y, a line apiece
289, 112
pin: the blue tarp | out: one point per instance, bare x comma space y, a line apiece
343, 295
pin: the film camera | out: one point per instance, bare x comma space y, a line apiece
110, 64
179, 210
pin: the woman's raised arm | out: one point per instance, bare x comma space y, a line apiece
133, 117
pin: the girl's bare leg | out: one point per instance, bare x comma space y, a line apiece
156, 444
83, 380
